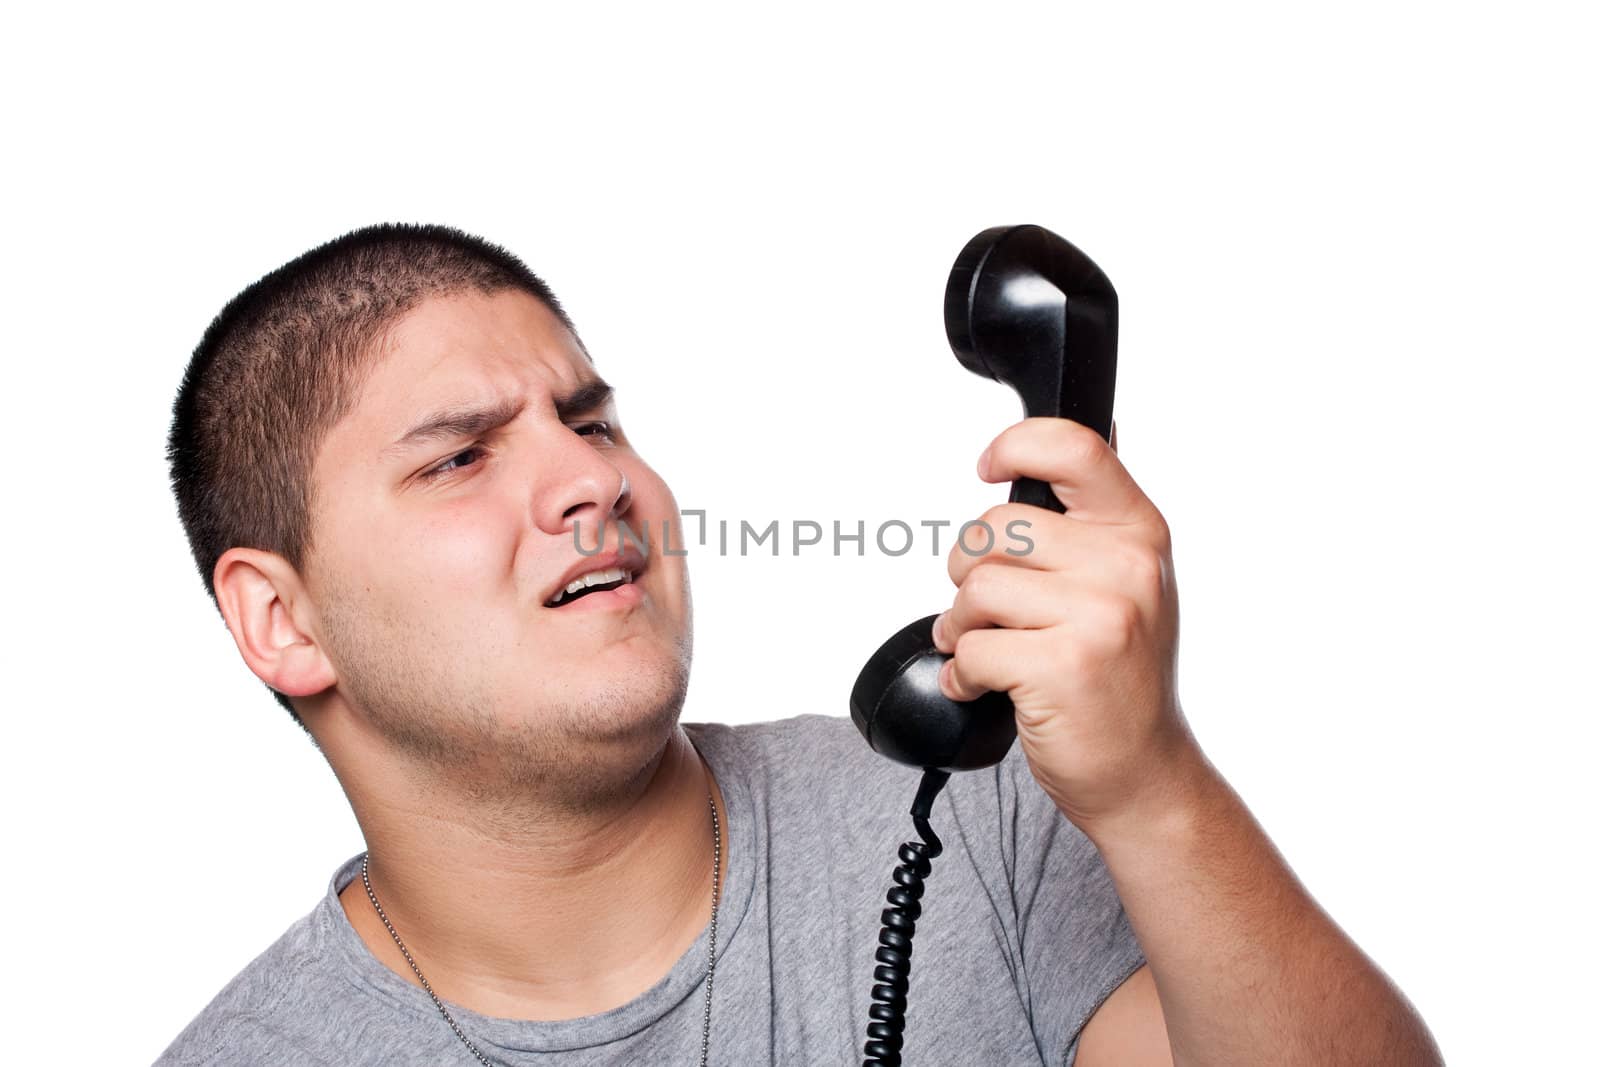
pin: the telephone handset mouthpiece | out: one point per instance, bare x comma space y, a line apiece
1026, 308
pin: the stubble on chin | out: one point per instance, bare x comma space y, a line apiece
580, 756
575, 754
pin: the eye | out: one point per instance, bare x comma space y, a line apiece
446, 467
583, 429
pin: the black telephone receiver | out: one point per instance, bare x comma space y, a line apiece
1024, 307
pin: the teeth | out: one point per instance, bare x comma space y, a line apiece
595, 578
583, 581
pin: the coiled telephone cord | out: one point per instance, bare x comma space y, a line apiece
885, 1033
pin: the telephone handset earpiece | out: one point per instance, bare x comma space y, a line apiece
1026, 308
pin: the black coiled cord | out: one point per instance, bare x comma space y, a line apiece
885, 1033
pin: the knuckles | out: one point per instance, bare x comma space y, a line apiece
1000, 541
1065, 439
1078, 444
982, 585
1146, 571
1123, 621
1111, 625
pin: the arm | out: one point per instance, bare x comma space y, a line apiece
1128, 1030
1082, 632
1247, 967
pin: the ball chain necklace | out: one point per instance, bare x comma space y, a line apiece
711, 964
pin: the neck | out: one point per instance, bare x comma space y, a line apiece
553, 915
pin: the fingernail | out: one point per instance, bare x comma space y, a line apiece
983, 462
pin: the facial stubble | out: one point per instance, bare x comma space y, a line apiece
580, 750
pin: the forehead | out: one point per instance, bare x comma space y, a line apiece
460, 349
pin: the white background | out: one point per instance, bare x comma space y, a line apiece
1355, 252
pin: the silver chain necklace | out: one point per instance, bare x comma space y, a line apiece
711, 964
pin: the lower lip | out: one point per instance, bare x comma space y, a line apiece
623, 596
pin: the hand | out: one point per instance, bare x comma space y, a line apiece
1081, 629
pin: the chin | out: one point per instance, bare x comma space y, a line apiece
636, 702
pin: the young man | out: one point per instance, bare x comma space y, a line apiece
395, 462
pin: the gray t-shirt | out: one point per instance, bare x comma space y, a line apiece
1021, 937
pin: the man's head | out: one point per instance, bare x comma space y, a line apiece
380, 452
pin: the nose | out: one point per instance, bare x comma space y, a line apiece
582, 487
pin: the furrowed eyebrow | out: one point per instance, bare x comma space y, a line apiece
588, 396
470, 420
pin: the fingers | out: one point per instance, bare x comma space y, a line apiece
1034, 539
998, 595
985, 660
1079, 465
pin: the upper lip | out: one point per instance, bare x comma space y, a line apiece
628, 557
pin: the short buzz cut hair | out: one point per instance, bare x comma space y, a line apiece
286, 359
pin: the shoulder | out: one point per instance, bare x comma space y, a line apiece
802, 756
780, 739
246, 1021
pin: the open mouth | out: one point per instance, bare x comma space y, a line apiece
594, 582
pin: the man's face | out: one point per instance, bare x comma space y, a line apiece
435, 555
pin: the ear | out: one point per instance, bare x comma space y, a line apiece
267, 611
1113, 435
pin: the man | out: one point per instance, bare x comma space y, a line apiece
397, 464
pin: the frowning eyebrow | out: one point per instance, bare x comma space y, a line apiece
470, 420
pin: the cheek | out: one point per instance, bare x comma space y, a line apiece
441, 565
466, 544
654, 504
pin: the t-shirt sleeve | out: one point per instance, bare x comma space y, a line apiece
1075, 943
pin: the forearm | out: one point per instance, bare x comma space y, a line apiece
1249, 969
